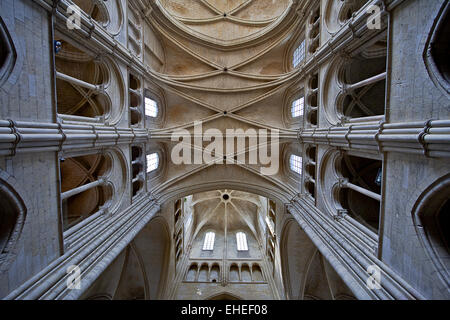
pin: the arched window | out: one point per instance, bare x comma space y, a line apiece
241, 240
299, 54
208, 244
151, 107
152, 162
298, 107
296, 164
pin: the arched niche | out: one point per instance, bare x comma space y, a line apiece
367, 100
234, 273
437, 49
138, 169
138, 187
134, 30
12, 217
431, 217
351, 182
310, 164
203, 273
95, 9
354, 87
91, 182
75, 99
90, 87
257, 275
245, 273
191, 275
8, 53
215, 273
135, 99
364, 173
108, 14
314, 30
77, 172
338, 13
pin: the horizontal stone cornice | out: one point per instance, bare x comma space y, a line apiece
28, 137
430, 138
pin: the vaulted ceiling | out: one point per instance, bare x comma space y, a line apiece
231, 209
228, 65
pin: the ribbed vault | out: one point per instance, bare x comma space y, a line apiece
224, 66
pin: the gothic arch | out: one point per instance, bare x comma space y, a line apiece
436, 50
338, 13
347, 183
140, 271
191, 273
156, 257
161, 150
224, 296
361, 172
154, 92
272, 193
327, 180
108, 14
133, 283
366, 100
295, 250
80, 168
292, 93
305, 272
430, 216
94, 9
7, 53
80, 171
13, 217
296, 40
288, 151
331, 89
90, 87
11, 56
